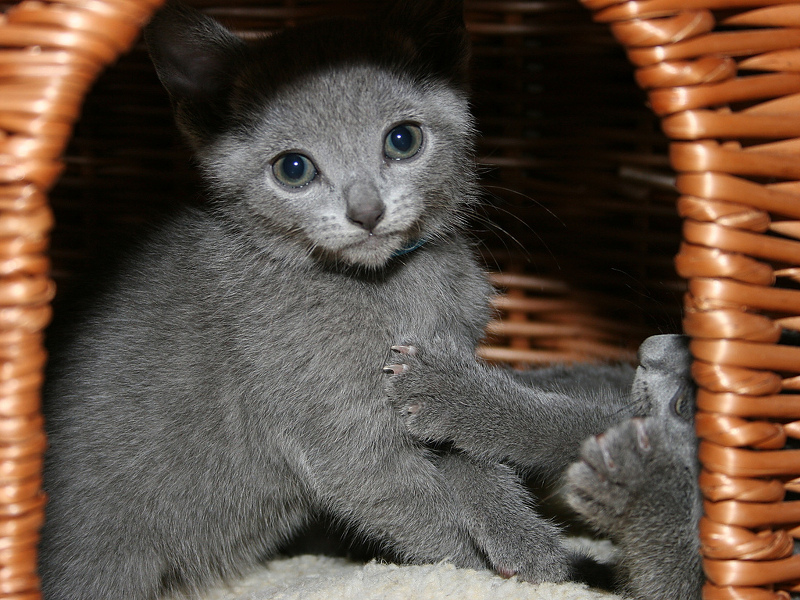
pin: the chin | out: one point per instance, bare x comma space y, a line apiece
372, 259
373, 253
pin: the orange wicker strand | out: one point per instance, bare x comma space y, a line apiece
698, 82
49, 56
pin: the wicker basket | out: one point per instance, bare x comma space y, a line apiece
580, 223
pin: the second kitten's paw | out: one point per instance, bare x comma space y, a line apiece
635, 475
637, 482
613, 466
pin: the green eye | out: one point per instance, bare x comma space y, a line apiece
294, 170
404, 141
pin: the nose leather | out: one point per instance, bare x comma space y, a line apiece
364, 205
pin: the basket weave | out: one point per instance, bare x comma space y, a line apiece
580, 225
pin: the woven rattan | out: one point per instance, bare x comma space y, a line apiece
725, 79
580, 226
50, 55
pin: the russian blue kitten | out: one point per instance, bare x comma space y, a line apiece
227, 385
635, 483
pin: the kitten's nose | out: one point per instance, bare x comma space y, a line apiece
364, 205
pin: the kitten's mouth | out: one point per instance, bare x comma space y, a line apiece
374, 250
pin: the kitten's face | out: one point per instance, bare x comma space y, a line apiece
353, 162
344, 140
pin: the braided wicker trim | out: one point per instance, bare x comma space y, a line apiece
50, 54
731, 101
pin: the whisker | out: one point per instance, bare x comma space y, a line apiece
526, 197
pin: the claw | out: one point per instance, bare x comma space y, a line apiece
506, 573
395, 369
609, 462
409, 350
641, 434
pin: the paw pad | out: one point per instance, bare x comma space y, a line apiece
414, 408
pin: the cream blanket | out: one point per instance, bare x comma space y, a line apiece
312, 577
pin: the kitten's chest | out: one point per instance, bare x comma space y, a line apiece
447, 295
356, 320
416, 303
315, 344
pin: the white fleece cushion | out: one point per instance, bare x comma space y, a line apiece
312, 577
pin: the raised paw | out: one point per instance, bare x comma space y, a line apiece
636, 483
634, 474
424, 386
399, 362
602, 484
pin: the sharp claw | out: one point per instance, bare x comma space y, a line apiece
641, 434
395, 369
409, 350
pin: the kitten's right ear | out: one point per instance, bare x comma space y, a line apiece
196, 59
436, 27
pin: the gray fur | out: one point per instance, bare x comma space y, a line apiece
226, 387
635, 476
637, 482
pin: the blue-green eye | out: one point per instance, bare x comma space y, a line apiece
404, 141
294, 170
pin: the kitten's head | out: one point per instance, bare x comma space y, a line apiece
346, 139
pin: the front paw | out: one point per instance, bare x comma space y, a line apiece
637, 484
422, 386
634, 476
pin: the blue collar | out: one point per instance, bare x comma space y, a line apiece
410, 247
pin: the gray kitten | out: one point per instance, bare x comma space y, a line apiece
227, 387
635, 483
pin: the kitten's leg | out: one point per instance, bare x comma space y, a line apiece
446, 395
392, 493
144, 532
637, 483
428, 508
500, 517
86, 558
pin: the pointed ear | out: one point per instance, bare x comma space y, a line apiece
436, 27
196, 59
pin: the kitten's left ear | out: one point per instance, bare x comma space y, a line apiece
437, 30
